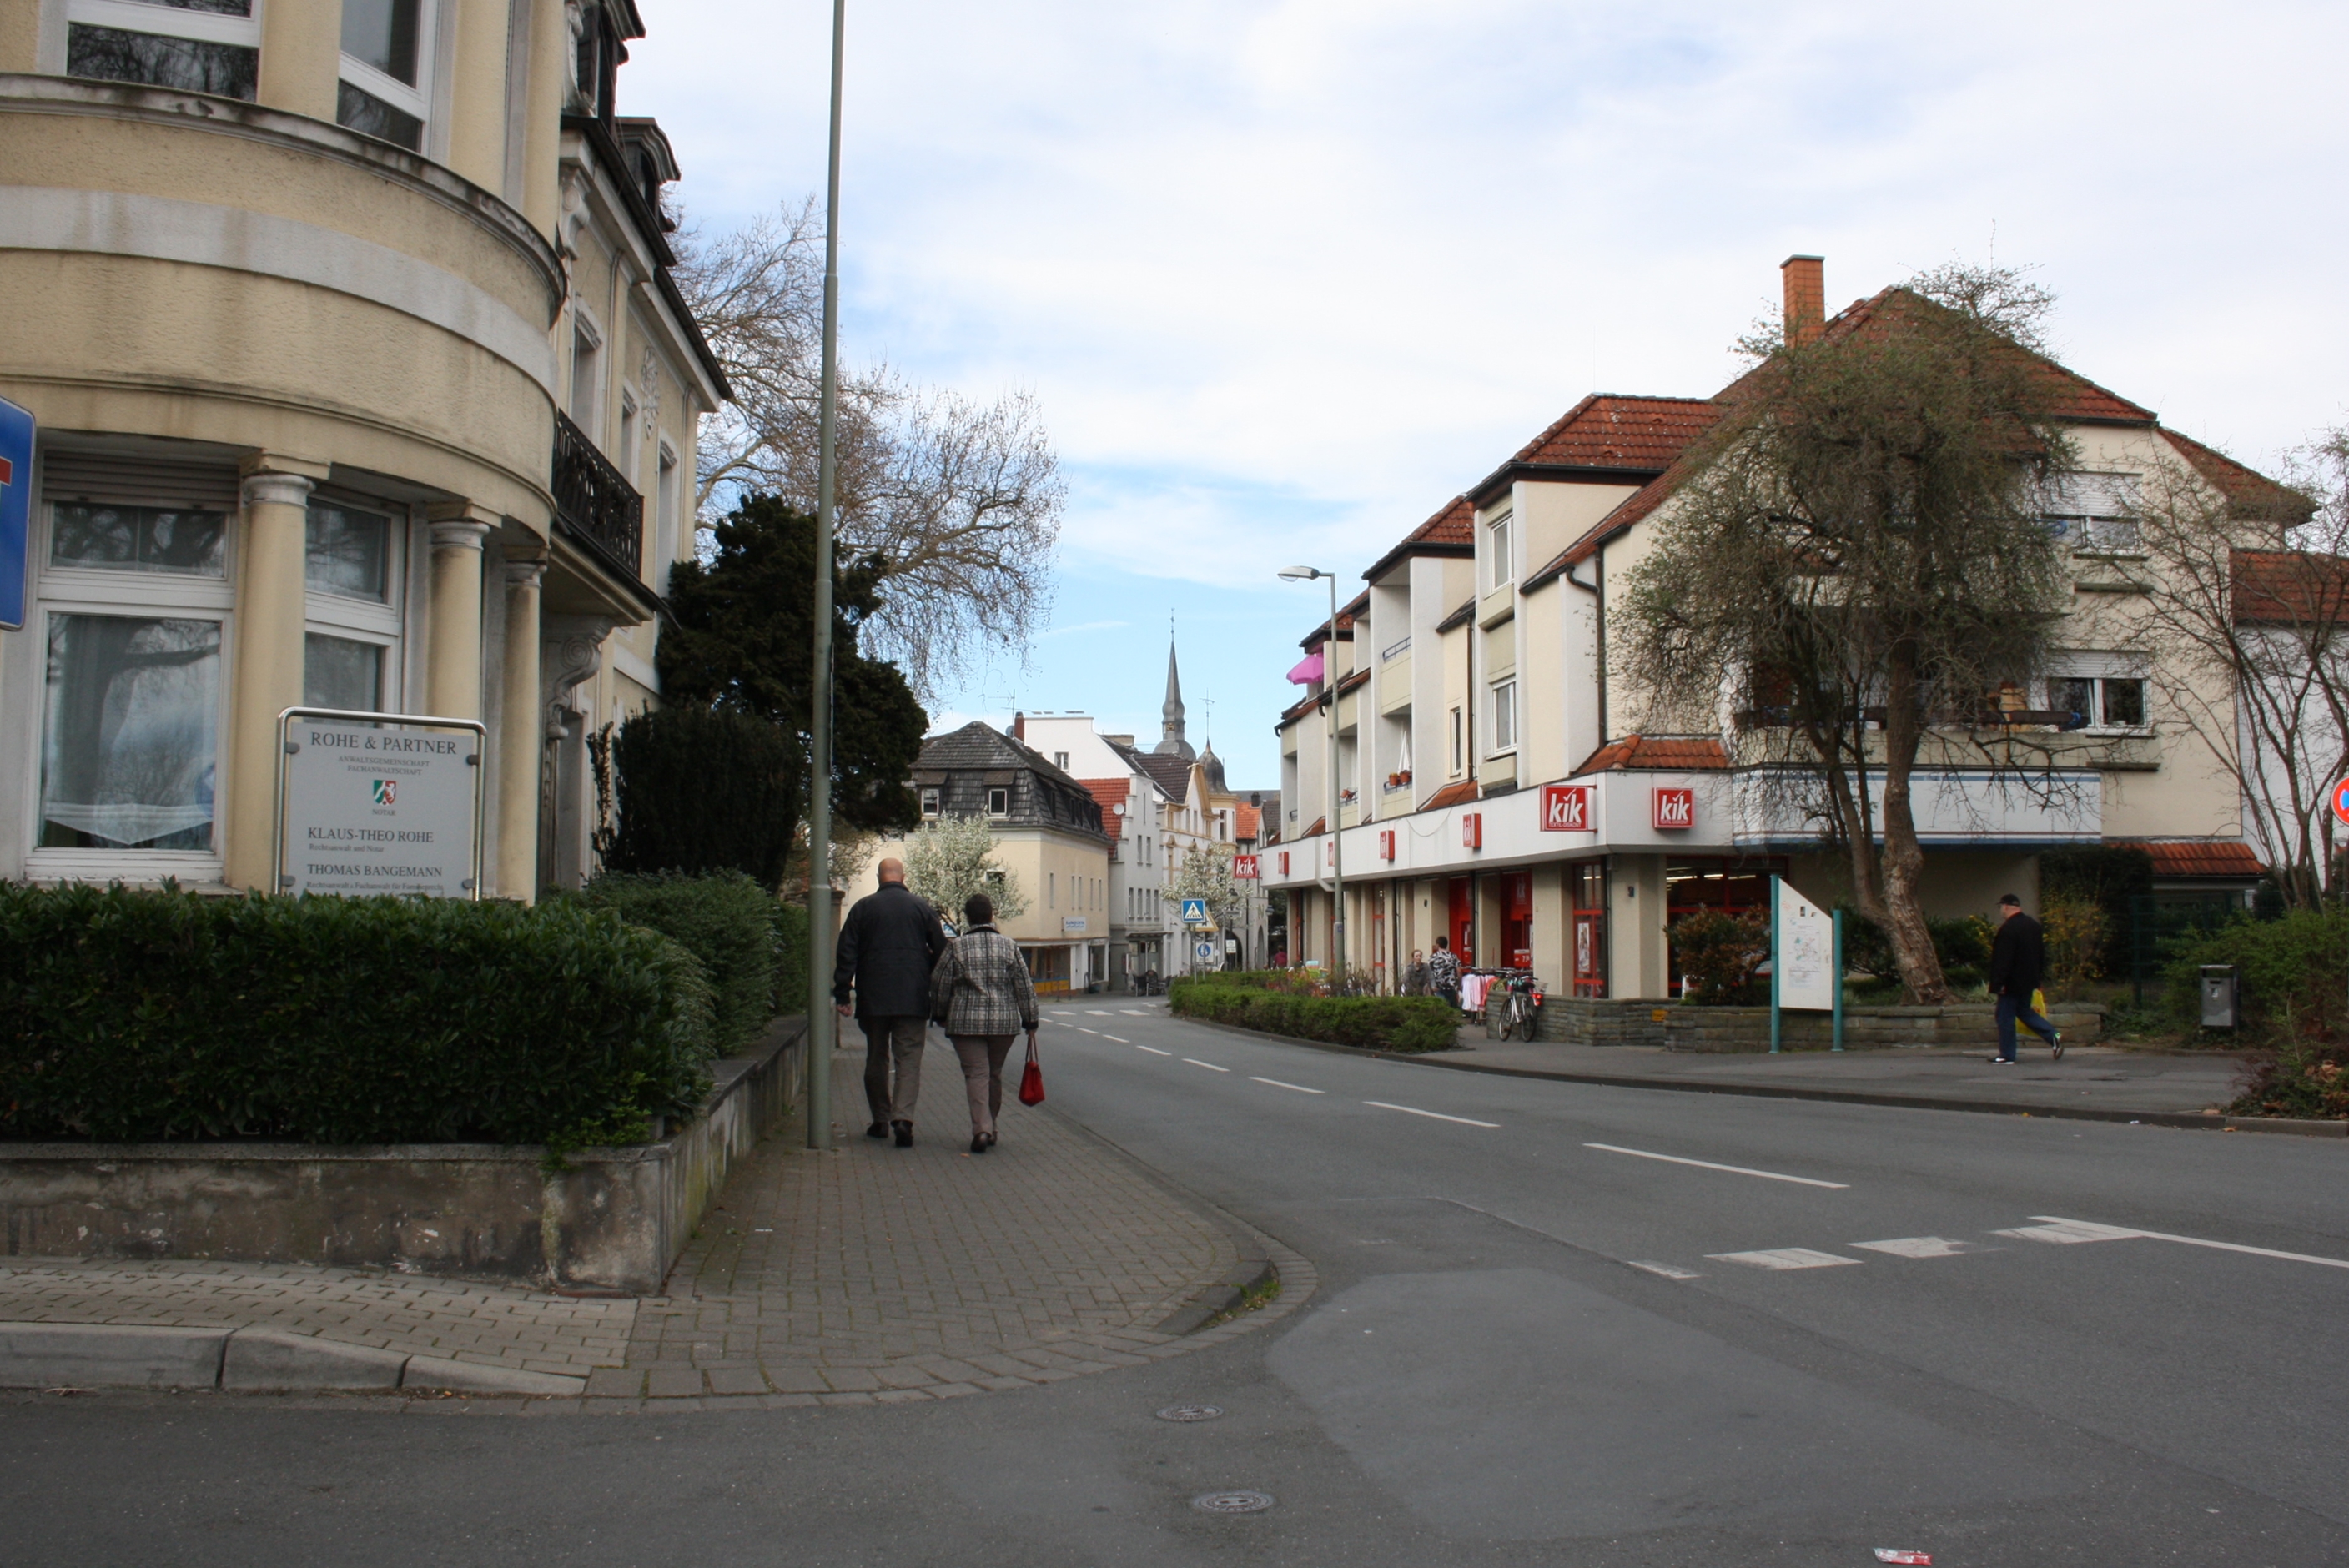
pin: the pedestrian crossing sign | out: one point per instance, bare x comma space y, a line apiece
1194, 911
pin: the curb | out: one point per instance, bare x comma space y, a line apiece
2202, 1120
241, 1361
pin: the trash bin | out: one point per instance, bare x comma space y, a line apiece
2219, 986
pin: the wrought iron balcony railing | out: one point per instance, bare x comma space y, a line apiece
594, 503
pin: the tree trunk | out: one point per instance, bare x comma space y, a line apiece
1903, 860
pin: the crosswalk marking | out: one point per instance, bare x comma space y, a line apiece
1786, 1258
1917, 1247
2068, 1232
1136, 1012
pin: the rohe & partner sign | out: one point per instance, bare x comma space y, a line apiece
392, 806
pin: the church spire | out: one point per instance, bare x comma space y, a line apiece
1171, 742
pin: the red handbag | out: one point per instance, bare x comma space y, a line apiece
1031, 1078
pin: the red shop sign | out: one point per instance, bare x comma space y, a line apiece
1565, 809
1386, 844
1244, 868
1472, 831
1675, 808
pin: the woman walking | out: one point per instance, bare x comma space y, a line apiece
981, 992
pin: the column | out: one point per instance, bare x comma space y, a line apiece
452, 657
301, 59
521, 733
266, 678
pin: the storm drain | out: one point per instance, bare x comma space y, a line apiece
1190, 1412
1233, 1503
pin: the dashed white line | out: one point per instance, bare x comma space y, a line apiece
1918, 1247
1786, 1258
1154, 1050
1709, 1165
1430, 1115
1083, 1031
1120, 1040
1209, 1065
2113, 1233
1136, 1012
1278, 1084
1097, 1013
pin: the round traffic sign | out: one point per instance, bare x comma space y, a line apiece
2341, 799
1205, 952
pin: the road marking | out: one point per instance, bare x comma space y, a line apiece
1154, 1050
1917, 1247
1136, 1012
2068, 1232
2112, 1232
1083, 1031
1786, 1258
1209, 1065
1278, 1084
1063, 1012
1432, 1115
1098, 1013
1667, 1270
1122, 1042
1709, 1165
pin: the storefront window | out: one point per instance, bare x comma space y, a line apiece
129, 749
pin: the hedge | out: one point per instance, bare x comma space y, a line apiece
790, 926
726, 920
2292, 971
129, 1015
1381, 1023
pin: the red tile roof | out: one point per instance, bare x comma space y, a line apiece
2250, 493
1351, 681
1459, 617
1247, 822
1609, 431
1451, 532
2290, 588
1320, 824
1663, 753
1108, 794
1457, 794
2199, 857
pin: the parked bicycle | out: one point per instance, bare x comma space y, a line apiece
1514, 1006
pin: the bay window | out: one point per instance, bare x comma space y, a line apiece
382, 91
192, 46
353, 559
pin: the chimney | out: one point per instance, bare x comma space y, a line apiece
1805, 278
1019, 726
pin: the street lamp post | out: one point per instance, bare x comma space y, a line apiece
1337, 838
822, 1028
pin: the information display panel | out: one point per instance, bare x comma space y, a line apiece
378, 803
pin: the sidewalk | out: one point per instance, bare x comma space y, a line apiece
2100, 1082
870, 1275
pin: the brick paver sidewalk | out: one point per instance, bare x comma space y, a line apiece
866, 1274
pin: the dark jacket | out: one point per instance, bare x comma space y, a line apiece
888, 946
2018, 957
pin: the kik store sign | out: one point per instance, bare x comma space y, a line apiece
380, 808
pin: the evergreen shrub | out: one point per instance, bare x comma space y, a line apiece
1411, 1024
726, 920
141, 1016
698, 790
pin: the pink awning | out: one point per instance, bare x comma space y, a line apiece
1307, 671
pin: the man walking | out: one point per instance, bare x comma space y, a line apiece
2018, 962
888, 946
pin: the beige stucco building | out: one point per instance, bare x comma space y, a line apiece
1501, 783
361, 383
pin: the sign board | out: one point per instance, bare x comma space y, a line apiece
391, 806
1675, 809
1386, 843
1565, 809
15, 513
1284, 863
1472, 831
1205, 952
1244, 868
2341, 799
1073, 924
1803, 952
1194, 911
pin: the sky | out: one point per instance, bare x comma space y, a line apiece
1286, 276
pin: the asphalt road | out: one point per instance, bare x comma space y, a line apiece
1557, 1323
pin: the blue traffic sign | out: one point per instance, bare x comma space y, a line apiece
1194, 911
16, 511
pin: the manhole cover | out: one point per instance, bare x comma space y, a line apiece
1233, 1503
1190, 1412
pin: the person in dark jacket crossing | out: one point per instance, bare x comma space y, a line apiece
888, 946
2018, 962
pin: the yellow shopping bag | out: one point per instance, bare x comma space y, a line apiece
2039, 1003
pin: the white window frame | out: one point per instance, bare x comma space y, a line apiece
1500, 548
584, 327
1004, 792
1459, 746
384, 623
81, 591
930, 801
2098, 668
164, 21
1504, 728
410, 100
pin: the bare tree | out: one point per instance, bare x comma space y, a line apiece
960, 500
1857, 543
2246, 602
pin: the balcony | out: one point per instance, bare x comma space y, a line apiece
594, 504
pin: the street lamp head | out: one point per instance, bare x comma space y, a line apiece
1301, 573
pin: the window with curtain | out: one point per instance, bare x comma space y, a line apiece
130, 742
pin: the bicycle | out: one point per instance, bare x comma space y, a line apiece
1515, 1009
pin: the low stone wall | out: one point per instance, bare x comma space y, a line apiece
613, 1222
1584, 1021
1864, 1029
